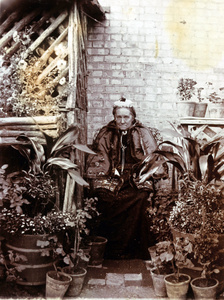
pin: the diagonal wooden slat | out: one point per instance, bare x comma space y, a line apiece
8, 22
18, 26
50, 67
50, 50
46, 33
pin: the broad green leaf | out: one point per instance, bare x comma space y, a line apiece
84, 148
77, 177
145, 176
178, 147
62, 162
203, 164
173, 158
65, 139
171, 133
36, 156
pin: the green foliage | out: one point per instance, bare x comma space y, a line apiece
186, 88
158, 212
174, 254
31, 193
70, 252
206, 251
21, 91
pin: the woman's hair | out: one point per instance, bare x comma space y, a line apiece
123, 102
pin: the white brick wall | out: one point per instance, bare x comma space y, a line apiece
144, 48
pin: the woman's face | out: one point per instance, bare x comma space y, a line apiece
123, 118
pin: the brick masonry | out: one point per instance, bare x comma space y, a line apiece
142, 50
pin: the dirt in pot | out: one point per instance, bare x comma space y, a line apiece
173, 278
73, 271
204, 282
59, 276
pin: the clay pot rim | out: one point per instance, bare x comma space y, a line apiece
202, 288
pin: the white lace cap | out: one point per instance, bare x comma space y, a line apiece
123, 103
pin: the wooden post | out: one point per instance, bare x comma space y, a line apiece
73, 57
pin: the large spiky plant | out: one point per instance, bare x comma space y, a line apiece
195, 159
39, 179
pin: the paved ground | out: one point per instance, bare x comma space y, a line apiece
126, 279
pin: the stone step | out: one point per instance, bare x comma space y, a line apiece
116, 279
119, 273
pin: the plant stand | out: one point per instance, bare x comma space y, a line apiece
177, 290
204, 288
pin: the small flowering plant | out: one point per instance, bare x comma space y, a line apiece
15, 223
71, 253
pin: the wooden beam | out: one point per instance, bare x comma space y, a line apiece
12, 140
50, 67
47, 32
73, 57
18, 26
8, 22
15, 133
29, 120
30, 127
50, 50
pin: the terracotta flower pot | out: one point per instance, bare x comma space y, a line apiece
78, 277
177, 290
204, 288
98, 244
186, 108
158, 283
200, 109
56, 286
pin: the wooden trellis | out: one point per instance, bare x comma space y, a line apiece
49, 40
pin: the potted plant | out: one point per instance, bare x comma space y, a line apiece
73, 256
29, 211
169, 258
159, 266
215, 100
199, 166
206, 252
160, 204
69, 254
186, 91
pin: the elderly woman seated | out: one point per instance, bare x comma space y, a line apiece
120, 145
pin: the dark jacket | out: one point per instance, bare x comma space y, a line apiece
108, 148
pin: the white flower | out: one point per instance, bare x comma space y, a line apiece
1, 60
15, 36
22, 64
26, 39
60, 49
61, 64
62, 81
